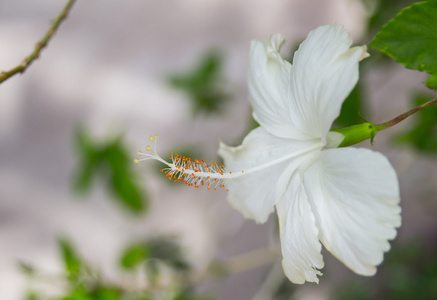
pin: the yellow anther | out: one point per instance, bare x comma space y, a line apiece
156, 136
139, 152
151, 138
136, 160
148, 148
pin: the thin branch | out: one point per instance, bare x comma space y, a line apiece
238, 264
251, 260
403, 116
271, 284
4, 75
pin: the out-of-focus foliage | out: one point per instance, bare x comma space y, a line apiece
285, 291
409, 272
352, 108
204, 85
26, 268
72, 262
411, 39
153, 252
114, 164
423, 133
81, 282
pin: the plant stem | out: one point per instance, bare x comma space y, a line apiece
4, 75
403, 116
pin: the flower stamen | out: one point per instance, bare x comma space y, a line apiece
198, 173
192, 172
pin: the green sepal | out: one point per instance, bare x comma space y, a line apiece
356, 133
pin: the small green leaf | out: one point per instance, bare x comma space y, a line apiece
168, 250
71, 259
351, 108
32, 295
26, 268
152, 270
163, 248
411, 37
107, 294
133, 255
204, 85
110, 161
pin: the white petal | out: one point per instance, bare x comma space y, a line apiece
254, 193
325, 70
354, 194
299, 235
269, 80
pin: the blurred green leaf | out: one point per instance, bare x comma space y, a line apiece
110, 161
204, 85
163, 248
408, 272
78, 295
285, 290
32, 295
133, 256
26, 268
359, 289
72, 262
411, 37
107, 294
152, 271
352, 108
423, 132
188, 294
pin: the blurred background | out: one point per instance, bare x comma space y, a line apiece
78, 220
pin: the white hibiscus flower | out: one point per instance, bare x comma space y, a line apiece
346, 198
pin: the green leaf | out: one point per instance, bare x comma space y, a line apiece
285, 290
168, 250
32, 295
71, 260
26, 268
352, 108
110, 161
204, 84
107, 294
411, 37
163, 248
133, 256
152, 271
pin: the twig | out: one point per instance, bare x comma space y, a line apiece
403, 116
238, 264
271, 284
4, 75
251, 260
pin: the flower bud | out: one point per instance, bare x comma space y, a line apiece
352, 135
